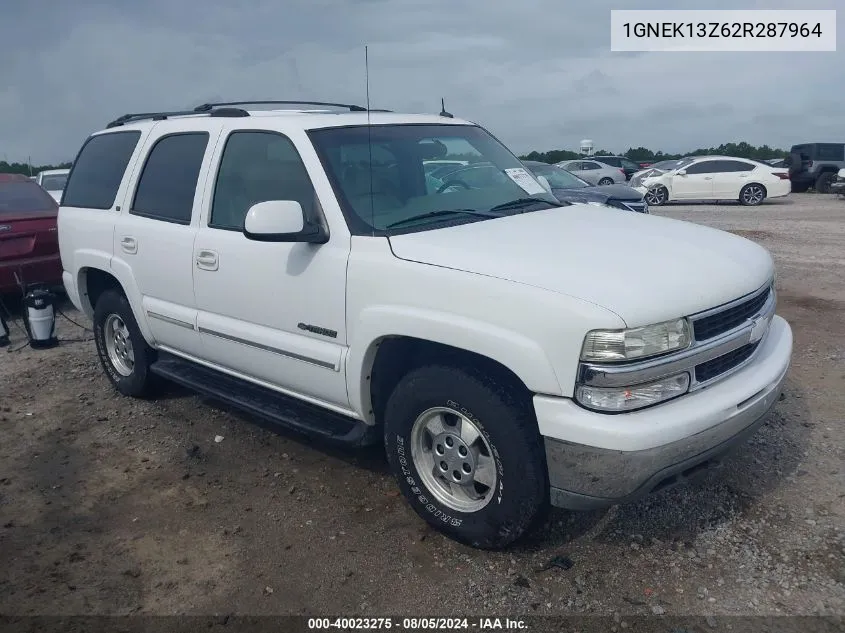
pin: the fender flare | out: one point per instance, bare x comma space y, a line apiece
103, 262
522, 355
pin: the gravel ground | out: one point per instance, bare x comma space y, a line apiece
115, 506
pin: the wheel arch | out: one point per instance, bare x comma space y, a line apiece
93, 281
380, 356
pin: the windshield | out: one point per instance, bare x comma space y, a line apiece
24, 197
557, 177
379, 176
54, 182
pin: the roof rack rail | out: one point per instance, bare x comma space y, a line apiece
206, 107
161, 116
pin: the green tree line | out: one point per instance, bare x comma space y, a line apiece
27, 169
645, 155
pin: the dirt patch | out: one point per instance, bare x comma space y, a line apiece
752, 235
809, 302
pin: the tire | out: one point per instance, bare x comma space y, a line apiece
752, 194
657, 196
823, 182
606, 181
113, 314
508, 449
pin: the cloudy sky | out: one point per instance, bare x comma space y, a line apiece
538, 73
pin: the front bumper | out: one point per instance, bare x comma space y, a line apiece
838, 187
597, 460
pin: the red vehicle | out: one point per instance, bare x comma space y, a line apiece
29, 244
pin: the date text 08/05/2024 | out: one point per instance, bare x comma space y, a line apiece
417, 624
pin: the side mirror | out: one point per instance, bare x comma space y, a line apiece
682, 172
282, 221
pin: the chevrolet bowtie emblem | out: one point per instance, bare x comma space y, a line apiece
758, 329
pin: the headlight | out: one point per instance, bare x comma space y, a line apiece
636, 343
636, 397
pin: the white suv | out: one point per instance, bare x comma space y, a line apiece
510, 351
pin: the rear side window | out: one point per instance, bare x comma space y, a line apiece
169, 180
24, 197
98, 170
830, 151
733, 166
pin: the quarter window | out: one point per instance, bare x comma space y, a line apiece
169, 180
257, 167
98, 170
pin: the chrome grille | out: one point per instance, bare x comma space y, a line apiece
712, 368
717, 323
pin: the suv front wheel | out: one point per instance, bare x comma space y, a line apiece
467, 454
123, 352
824, 181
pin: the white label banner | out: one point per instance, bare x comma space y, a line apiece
727, 30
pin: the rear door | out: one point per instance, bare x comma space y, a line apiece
730, 177
154, 236
29, 244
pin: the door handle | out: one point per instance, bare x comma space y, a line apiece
129, 245
708, 178
207, 260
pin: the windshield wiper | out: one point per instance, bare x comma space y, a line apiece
523, 202
443, 212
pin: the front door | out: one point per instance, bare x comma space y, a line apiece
696, 183
272, 312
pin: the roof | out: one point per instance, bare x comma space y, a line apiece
312, 119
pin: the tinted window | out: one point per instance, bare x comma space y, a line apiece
257, 167
589, 165
24, 197
734, 166
169, 179
704, 167
610, 160
98, 170
830, 151
54, 182
629, 164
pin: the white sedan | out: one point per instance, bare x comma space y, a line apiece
713, 178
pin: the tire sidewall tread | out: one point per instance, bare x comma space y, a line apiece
139, 382
508, 425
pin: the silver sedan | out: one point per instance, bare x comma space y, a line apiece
594, 172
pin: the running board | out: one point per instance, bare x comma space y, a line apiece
265, 403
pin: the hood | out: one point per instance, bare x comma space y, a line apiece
599, 193
644, 268
57, 195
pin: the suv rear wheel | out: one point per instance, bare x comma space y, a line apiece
467, 454
123, 352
